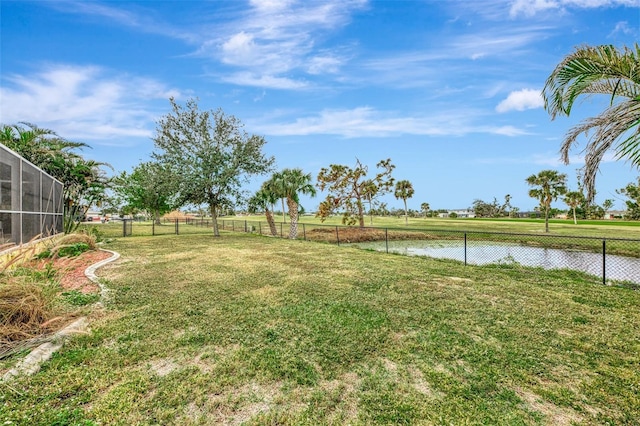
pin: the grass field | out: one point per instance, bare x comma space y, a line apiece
253, 330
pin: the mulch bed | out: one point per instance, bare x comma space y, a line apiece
70, 270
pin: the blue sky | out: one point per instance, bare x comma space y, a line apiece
449, 90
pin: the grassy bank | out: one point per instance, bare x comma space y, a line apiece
591, 228
268, 331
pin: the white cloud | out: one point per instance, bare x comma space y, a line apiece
264, 81
621, 27
521, 100
323, 64
532, 7
368, 122
82, 102
280, 37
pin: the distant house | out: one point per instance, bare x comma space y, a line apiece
466, 213
615, 214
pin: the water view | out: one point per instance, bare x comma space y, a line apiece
619, 268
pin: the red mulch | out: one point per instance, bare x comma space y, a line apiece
70, 270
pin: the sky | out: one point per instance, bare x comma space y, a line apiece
448, 89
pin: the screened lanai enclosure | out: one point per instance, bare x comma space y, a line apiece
31, 203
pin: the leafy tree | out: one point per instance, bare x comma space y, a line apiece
548, 185
573, 200
632, 192
403, 191
424, 207
483, 209
607, 204
348, 187
148, 187
262, 200
599, 70
85, 183
493, 209
290, 183
210, 155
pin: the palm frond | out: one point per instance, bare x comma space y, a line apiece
608, 129
592, 70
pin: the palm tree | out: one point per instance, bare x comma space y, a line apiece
573, 199
425, 208
277, 185
263, 199
84, 181
550, 184
404, 190
370, 191
599, 70
290, 183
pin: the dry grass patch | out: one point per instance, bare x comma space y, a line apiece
553, 414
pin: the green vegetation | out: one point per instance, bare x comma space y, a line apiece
209, 156
257, 330
349, 189
612, 73
84, 180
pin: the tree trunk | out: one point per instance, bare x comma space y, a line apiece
214, 218
293, 215
360, 213
406, 214
271, 221
575, 220
546, 219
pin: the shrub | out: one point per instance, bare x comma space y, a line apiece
72, 250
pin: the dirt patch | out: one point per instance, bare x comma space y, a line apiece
358, 235
162, 367
72, 275
554, 414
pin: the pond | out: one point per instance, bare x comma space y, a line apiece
619, 268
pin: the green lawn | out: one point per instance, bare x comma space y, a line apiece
253, 330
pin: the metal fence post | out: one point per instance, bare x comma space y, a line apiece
245, 226
153, 227
124, 228
604, 261
260, 227
337, 235
304, 233
465, 249
386, 238
281, 236
177, 232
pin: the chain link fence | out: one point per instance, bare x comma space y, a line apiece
611, 259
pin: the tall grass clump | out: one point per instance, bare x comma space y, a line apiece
31, 305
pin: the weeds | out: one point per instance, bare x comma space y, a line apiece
76, 298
